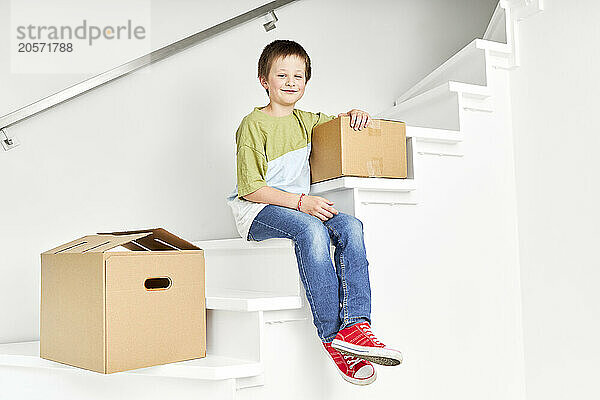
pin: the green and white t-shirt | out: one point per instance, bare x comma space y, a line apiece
271, 151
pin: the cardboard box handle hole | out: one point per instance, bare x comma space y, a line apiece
160, 283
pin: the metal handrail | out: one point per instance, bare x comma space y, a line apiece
127, 68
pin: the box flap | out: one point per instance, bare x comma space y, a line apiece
155, 239
96, 243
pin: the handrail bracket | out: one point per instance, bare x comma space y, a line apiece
7, 141
271, 24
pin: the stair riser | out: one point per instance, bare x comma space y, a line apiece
235, 334
499, 61
476, 104
442, 112
439, 112
271, 270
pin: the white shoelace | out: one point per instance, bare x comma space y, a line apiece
370, 335
351, 360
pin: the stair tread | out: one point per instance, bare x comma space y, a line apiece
241, 244
249, 300
449, 88
211, 367
434, 134
356, 182
469, 88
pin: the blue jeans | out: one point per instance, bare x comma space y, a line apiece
339, 297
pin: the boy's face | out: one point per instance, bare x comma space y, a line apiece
286, 80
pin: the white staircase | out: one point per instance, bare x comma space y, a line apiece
254, 286
248, 286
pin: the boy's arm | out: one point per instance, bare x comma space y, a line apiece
251, 158
270, 195
358, 119
316, 206
251, 170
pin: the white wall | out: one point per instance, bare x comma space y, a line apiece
555, 101
156, 149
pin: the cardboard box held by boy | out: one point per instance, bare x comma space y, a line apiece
337, 150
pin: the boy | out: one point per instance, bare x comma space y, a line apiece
270, 200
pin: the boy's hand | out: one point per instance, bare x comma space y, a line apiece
318, 206
358, 119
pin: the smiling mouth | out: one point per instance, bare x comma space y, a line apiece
290, 91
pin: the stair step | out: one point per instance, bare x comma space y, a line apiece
241, 244
468, 65
355, 182
441, 106
494, 46
249, 300
211, 367
267, 267
496, 29
350, 193
467, 89
525, 8
444, 90
439, 142
423, 134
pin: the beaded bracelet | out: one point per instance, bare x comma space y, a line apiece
299, 202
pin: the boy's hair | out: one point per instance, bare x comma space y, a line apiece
281, 48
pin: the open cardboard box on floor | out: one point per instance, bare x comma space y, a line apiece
376, 151
109, 311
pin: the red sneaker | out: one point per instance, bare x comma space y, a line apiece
352, 369
358, 340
